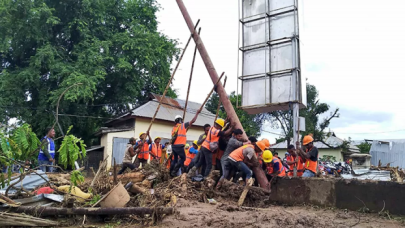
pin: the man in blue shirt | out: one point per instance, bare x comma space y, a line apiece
46, 155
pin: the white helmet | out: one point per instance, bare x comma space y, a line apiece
178, 117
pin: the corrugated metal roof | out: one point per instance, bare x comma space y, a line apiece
331, 140
387, 151
172, 107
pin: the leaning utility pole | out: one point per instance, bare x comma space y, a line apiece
211, 69
260, 176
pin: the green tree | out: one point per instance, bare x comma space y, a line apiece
313, 125
22, 144
113, 48
364, 147
251, 123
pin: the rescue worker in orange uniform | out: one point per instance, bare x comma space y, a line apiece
179, 139
272, 165
210, 145
310, 156
294, 161
142, 148
156, 149
241, 159
190, 155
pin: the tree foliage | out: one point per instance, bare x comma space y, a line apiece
112, 47
364, 147
71, 150
251, 123
313, 125
22, 144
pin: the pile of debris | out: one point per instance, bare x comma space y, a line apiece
397, 174
146, 194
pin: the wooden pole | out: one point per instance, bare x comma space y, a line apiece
191, 76
115, 173
171, 79
230, 111
219, 102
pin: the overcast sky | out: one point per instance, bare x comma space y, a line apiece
354, 56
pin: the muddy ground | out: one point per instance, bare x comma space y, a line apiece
196, 214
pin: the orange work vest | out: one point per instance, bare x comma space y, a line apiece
144, 153
300, 167
169, 162
270, 167
311, 165
157, 151
211, 137
237, 154
189, 157
181, 134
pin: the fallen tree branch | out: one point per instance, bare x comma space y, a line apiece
8, 200
12, 219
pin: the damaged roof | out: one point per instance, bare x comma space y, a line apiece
331, 141
171, 107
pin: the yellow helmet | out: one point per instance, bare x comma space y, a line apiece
267, 156
158, 138
141, 134
220, 122
195, 142
187, 145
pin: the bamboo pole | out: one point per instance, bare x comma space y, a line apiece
219, 101
191, 76
171, 78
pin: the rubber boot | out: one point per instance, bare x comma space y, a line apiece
192, 172
176, 168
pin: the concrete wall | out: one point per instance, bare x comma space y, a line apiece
107, 142
159, 128
343, 194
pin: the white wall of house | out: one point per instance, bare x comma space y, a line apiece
159, 128
337, 153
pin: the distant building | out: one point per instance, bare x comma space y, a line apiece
331, 147
117, 132
386, 151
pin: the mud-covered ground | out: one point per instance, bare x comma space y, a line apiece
195, 214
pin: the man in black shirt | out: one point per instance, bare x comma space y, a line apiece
310, 156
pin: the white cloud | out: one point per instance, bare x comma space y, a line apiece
354, 56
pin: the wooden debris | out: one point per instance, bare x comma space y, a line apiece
137, 189
131, 177
13, 219
101, 167
244, 193
183, 180
7, 200
47, 211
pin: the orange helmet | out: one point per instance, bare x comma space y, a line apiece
261, 145
307, 139
266, 142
